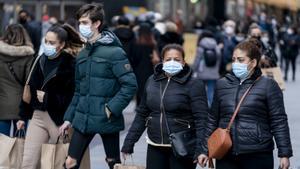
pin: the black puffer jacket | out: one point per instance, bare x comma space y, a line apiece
261, 117
58, 86
185, 104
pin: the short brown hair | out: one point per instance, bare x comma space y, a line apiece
94, 11
251, 47
170, 47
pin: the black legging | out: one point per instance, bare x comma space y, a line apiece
163, 158
262, 160
80, 142
288, 60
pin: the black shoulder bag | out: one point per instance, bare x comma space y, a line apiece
183, 142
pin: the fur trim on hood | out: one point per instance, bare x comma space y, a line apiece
16, 51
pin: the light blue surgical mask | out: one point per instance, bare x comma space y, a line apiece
240, 70
85, 31
50, 51
172, 67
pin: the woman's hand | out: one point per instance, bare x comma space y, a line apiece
20, 124
202, 160
64, 127
40, 96
284, 163
125, 156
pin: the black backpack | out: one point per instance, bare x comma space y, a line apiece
210, 57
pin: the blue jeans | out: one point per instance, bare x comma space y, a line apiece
5, 126
210, 88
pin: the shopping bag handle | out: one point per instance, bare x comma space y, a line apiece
65, 137
20, 133
124, 163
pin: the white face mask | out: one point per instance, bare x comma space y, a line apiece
229, 30
85, 31
290, 31
172, 67
265, 39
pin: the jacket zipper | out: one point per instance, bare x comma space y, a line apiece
47, 81
161, 109
184, 122
236, 151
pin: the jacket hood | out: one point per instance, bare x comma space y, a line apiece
257, 73
108, 38
208, 43
181, 77
16, 51
124, 34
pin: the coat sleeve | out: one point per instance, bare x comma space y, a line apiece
278, 120
138, 125
126, 78
35, 83
212, 120
200, 110
69, 115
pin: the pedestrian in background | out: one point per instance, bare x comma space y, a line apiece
291, 51
16, 55
125, 34
144, 57
105, 84
183, 98
261, 116
52, 86
207, 63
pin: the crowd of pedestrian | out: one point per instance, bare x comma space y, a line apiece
82, 74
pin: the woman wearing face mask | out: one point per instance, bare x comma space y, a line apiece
185, 103
52, 85
260, 118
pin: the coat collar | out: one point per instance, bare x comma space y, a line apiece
181, 77
15, 51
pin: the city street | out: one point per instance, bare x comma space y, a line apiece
291, 96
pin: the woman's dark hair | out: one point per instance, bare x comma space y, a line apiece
145, 35
170, 47
15, 34
66, 33
94, 11
252, 48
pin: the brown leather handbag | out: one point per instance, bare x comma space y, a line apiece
219, 143
26, 92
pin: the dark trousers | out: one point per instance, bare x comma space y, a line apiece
80, 142
247, 161
290, 60
163, 158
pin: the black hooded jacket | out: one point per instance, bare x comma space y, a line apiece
261, 118
185, 105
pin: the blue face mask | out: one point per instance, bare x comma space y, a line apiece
172, 67
240, 70
50, 51
85, 31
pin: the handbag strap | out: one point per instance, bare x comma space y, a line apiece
239, 105
12, 71
31, 70
162, 107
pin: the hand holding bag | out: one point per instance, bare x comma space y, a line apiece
219, 143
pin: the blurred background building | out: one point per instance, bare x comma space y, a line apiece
189, 11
